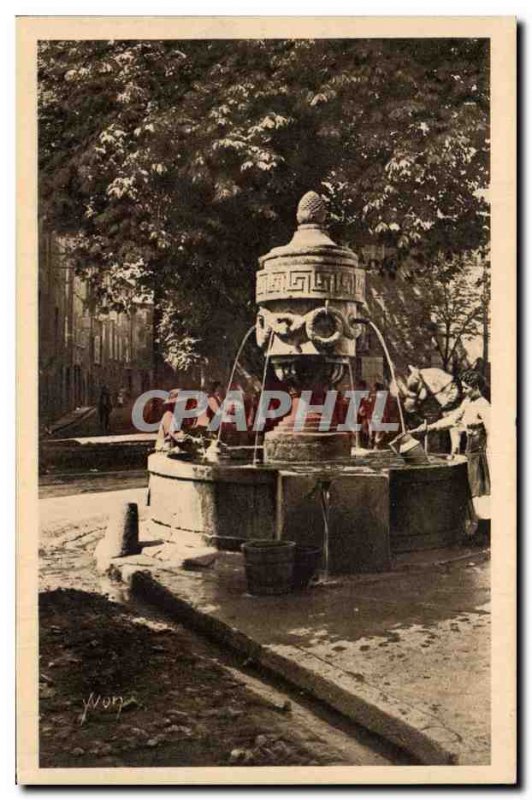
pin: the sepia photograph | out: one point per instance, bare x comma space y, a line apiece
266, 351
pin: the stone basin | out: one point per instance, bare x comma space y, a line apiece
378, 505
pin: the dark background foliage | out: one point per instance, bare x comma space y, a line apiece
172, 165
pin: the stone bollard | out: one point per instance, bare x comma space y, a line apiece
121, 536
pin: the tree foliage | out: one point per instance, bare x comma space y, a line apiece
432, 310
173, 165
454, 302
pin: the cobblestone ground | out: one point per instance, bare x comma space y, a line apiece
120, 687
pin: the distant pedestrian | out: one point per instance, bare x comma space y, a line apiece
121, 397
105, 406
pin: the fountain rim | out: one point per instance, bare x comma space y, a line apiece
196, 469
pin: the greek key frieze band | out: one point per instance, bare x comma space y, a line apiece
340, 284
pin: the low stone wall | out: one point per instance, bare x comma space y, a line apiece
82, 455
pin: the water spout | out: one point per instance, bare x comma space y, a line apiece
233, 370
391, 367
352, 381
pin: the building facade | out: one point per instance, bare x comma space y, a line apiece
80, 349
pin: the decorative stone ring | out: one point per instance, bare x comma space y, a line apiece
324, 326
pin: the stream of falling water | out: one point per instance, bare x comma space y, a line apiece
391, 367
325, 498
352, 382
235, 364
264, 371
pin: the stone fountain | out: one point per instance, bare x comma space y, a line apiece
310, 295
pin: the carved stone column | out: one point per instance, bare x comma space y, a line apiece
309, 293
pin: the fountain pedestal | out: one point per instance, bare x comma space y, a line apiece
374, 513
308, 444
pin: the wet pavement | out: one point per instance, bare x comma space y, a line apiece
413, 645
91, 634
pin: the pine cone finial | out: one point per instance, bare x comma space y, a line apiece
311, 210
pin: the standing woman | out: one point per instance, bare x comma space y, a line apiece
473, 417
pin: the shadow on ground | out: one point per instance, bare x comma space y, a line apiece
123, 690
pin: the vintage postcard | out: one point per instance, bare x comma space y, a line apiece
267, 346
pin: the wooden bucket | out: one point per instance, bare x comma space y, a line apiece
410, 449
269, 566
